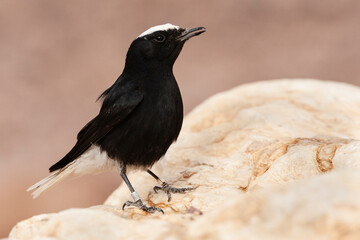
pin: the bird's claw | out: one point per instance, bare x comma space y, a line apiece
142, 206
168, 189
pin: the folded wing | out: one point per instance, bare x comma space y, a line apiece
118, 103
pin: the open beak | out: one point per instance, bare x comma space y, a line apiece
189, 33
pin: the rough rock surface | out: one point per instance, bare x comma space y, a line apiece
270, 160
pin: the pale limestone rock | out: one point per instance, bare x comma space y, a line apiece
322, 207
271, 160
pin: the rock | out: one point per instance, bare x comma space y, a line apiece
269, 160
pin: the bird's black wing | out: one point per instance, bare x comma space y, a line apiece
118, 104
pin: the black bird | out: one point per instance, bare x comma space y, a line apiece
140, 117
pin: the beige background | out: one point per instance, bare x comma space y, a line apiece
56, 57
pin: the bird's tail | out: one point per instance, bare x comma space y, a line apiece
53, 178
93, 161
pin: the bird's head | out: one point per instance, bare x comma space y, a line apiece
159, 45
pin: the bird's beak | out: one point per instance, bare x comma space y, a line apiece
189, 33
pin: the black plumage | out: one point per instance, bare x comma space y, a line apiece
142, 112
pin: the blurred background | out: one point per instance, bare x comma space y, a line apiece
56, 57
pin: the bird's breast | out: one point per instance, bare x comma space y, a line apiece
146, 134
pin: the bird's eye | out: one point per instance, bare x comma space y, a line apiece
159, 38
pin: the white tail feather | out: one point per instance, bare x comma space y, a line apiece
93, 161
52, 179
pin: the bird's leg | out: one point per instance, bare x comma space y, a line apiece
137, 201
166, 187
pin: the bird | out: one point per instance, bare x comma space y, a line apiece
140, 117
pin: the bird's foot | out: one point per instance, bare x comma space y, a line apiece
142, 206
169, 189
